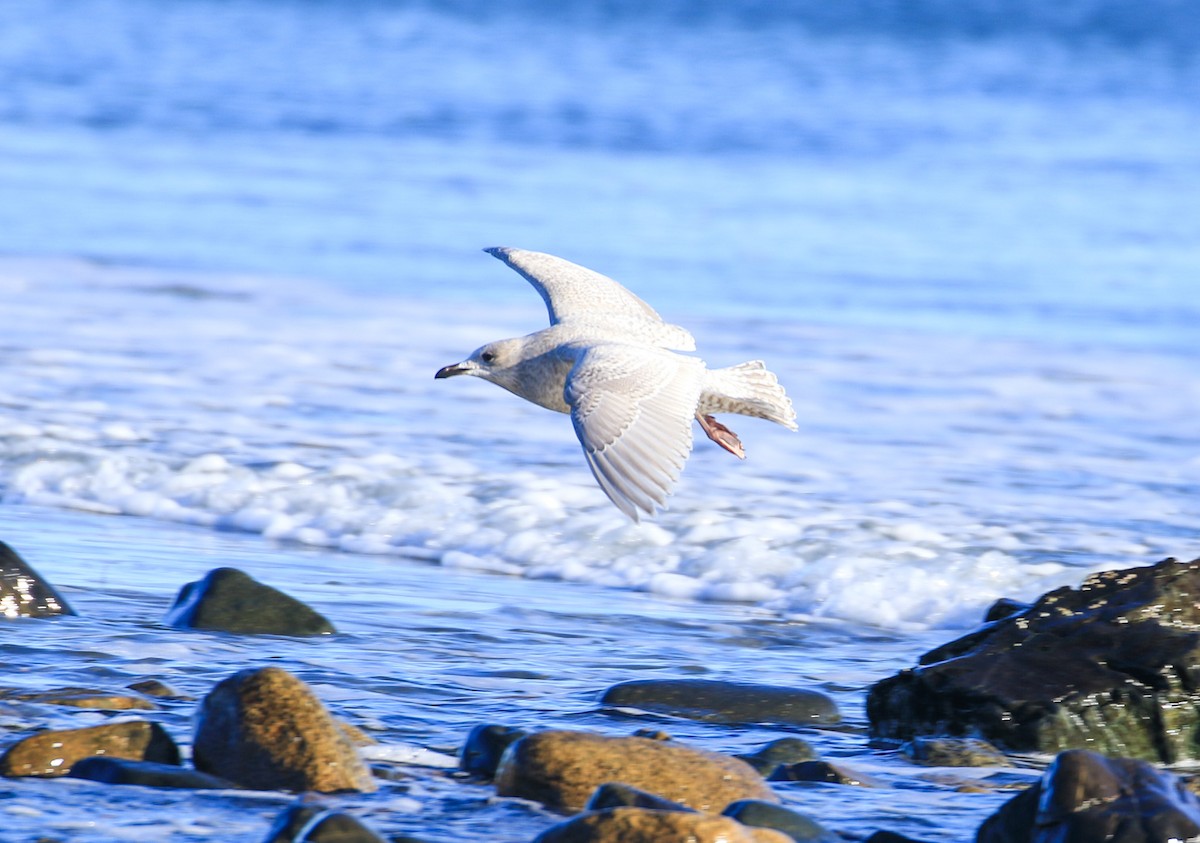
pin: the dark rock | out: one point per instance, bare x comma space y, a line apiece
561, 770
484, 746
1113, 666
265, 729
304, 822
954, 752
889, 837
23, 592
1084, 797
638, 825
232, 601
81, 698
724, 702
783, 751
769, 815
53, 753
617, 795
652, 734
156, 688
819, 771
1003, 608
102, 768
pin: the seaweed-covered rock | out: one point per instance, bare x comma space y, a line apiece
561, 769
1113, 666
725, 702
265, 729
55, 752
1084, 797
102, 768
230, 600
638, 825
23, 592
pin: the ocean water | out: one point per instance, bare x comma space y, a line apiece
237, 238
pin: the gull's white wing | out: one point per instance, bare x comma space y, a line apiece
633, 407
575, 292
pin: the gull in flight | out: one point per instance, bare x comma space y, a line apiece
609, 360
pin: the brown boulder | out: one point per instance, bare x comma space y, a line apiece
639, 825
53, 753
561, 769
265, 729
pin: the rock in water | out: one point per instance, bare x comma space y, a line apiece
54, 753
265, 729
725, 702
23, 592
638, 825
102, 768
481, 752
304, 822
230, 600
768, 757
1086, 797
769, 815
561, 769
1113, 666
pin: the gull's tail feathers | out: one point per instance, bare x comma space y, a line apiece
748, 389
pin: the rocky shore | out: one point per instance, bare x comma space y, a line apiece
1101, 682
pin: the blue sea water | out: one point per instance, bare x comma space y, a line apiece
237, 237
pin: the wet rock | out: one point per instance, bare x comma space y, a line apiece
101, 768
1085, 797
1113, 665
954, 752
265, 729
617, 795
23, 592
305, 822
484, 746
158, 689
783, 751
53, 753
724, 702
1003, 608
795, 825
561, 769
820, 771
638, 825
82, 698
230, 600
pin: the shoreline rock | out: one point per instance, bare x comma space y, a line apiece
229, 600
562, 769
1112, 666
265, 729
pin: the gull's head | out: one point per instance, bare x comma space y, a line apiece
489, 362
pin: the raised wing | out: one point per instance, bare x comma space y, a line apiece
575, 292
632, 408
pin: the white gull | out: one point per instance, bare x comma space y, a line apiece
609, 360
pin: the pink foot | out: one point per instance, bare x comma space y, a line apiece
722, 435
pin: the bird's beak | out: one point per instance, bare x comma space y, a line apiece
454, 369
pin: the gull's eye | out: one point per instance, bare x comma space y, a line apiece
487, 357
